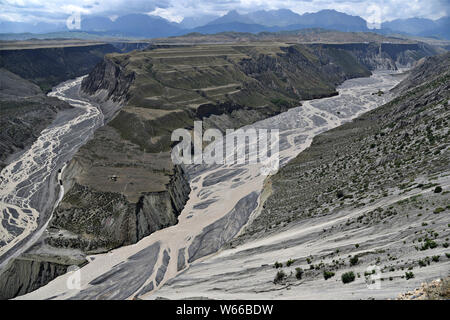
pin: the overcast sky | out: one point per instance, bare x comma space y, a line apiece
175, 10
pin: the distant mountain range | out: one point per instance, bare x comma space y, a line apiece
420, 27
147, 26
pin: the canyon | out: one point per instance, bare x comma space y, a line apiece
126, 206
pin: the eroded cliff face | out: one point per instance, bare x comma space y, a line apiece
386, 56
24, 112
48, 67
97, 221
159, 210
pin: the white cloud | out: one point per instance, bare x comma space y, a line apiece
168, 14
175, 10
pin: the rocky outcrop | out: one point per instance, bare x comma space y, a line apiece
438, 289
23, 276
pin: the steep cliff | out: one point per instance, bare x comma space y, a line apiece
126, 187
48, 67
23, 276
108, 84
387, 56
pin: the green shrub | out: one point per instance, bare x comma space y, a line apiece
435, 258
280, 103
298, 273
327, 274
409, 275
348, 277
289, 262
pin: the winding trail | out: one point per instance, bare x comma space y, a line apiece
29, 185
222, 201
